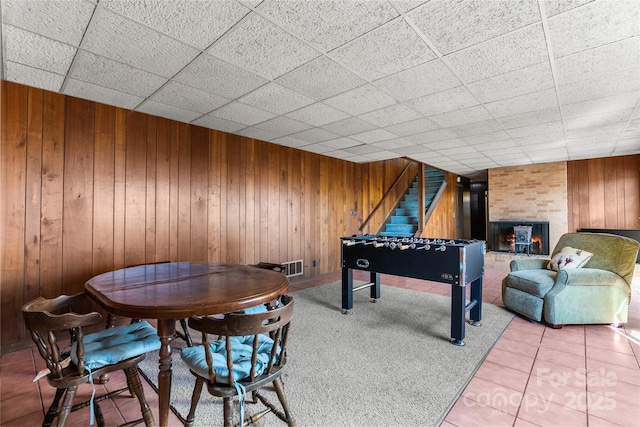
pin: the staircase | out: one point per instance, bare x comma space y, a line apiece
404, 222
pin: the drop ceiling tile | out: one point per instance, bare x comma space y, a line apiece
554, 7
289, 141
619, 116
411, 150
219, 77
360, 100
196, 23
476, 128
601, 61
612, 129
515, 83
315, 135
557, 156
217, 123
600, 87
531, 118
277, 99
340, 143
393, 144
242, 113
344, 155
538, 129
593, 25
363, 149
444, 145
443, 102
187, 97
405, 6
260, 134
431, 136
101, 94
381, 155
462, 117
457, 151
64, 21
283, 125
318, 114
328, 24
384, 51
372, 136
495, 145
36, 51
601, 105
169, 111
259, 46
115, 37
553, 138
30, 76
318, 148
535, 101
519, 49
320, 79
625, 150
106, 72
455, 25
413, 127
391, 115
425, 79
486, 138
349, 126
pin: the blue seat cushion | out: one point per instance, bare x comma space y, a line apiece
114, 345
241, 350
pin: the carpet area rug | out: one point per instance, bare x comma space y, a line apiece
386, 364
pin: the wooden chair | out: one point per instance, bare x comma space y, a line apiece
249, 355
87, 356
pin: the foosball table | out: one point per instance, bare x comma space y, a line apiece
456, 262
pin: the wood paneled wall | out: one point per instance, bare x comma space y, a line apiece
87, 188
604, 193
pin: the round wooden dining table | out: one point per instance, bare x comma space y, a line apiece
171, 291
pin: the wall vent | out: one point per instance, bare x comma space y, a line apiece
292, 268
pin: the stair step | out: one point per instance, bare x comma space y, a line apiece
396, 219
406, 212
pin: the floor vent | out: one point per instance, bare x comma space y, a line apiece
292, 268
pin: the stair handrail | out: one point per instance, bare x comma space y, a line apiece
432, 206
386, 194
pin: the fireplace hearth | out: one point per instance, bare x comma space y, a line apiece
503, 238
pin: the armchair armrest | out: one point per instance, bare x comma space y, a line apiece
587, 277
528, 264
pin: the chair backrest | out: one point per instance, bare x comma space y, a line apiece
45, 318
252, 328
611, 252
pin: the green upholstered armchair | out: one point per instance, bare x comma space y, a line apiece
598, 292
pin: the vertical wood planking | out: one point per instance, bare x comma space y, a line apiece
184, 191
104, 189
282, 225
77, 248
135, 188
631, 190
596, 193
163, 189
119, 188
232, 211
250, 203
151, 192
33, 195
214, 197
52, 195
173, 194
12, 207
199, 182
273, 204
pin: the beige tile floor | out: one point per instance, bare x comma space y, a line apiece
534, 376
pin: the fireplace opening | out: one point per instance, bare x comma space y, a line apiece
529, 237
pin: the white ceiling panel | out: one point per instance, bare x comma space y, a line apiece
183, 96
386, 50
115, 37
219, 77
320, 79
116, 75
327, 24
259, 46
86, 90
197, 23
422, 80
277, 99
489, 83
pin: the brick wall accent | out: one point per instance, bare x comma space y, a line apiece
531, 193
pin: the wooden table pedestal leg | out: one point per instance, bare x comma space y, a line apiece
166, 330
